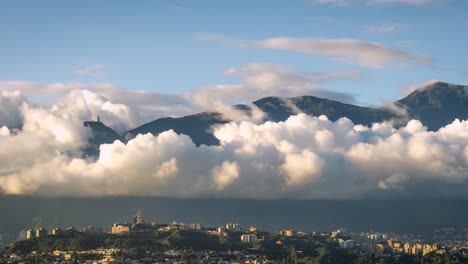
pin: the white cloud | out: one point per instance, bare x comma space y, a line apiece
225, 174
384, 28
363, 53
178, 8
95, 70
138, 106
260, 80
271, 76
4, 131
302, 168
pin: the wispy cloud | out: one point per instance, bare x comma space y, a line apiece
406, 43
384, 28
95, 70
178, 8
363, 53
324, 20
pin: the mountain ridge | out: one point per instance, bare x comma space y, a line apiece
435, 105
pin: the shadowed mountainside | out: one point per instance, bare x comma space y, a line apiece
437, 104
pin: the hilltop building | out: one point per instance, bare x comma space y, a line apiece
120, 228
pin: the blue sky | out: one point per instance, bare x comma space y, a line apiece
156, 45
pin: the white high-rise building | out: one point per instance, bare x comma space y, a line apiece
249, 238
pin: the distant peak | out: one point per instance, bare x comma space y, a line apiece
268, 98
437, 85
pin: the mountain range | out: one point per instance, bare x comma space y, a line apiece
435, 105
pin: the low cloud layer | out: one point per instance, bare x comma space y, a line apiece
363, 53
303, 157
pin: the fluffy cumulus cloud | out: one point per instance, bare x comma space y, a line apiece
302, 157
363, 53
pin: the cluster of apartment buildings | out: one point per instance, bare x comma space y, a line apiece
382, 243
41, 232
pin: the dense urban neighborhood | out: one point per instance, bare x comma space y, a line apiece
152, 242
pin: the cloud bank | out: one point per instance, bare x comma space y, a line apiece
303, 157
